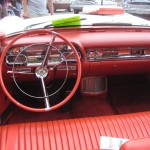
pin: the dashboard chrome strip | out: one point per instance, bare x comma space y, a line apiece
139, 57
20, 72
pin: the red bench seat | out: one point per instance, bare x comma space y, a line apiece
73, 134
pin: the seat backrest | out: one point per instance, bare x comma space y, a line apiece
79, 133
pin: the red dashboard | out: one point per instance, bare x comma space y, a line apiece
102, 51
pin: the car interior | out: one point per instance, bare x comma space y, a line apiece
65, 88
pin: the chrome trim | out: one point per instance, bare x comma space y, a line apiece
16, 63
41, 72
38, 64
131, 57
66, 68
46, 98
19, 72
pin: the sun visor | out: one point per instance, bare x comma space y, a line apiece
103, 10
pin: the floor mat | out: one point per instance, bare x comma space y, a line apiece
88, 106
131, 96
20, 115
78, 108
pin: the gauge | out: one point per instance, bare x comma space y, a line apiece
12, 59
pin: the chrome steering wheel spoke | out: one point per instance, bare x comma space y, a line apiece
49, 50
46, 98
41, 73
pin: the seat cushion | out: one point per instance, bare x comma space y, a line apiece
71, 134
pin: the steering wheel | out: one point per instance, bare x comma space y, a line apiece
41, 71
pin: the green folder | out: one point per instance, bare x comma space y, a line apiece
70, 21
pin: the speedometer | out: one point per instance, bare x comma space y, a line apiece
19, 60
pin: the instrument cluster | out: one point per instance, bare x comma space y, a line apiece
33, 55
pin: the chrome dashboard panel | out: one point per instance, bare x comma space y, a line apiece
122, 53
33, 55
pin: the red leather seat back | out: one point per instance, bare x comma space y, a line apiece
79, 134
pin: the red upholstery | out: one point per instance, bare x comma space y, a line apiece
137, 144
79, 134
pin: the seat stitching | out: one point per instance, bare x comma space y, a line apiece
56, 136
148, 114
27, 128
127, 123
66, 133
95, 131
106, 123
33, 128
12, 137
121, 119
73, 136
135, 127
61, 134
141, 124
67, 125
82, 132
145, 117
19, 137
30, 136
111, 125
46, 124
24, 136
2, 137
97, 124
52, 128
36, 133
4, 128
76, 131
133, 123
36, 136
43, 135
100, 121
6, 135
115, 123
86, 132
90, 121
132, 129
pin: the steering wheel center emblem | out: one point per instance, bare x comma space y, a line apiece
41, 72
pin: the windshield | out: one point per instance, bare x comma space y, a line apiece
20, 15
